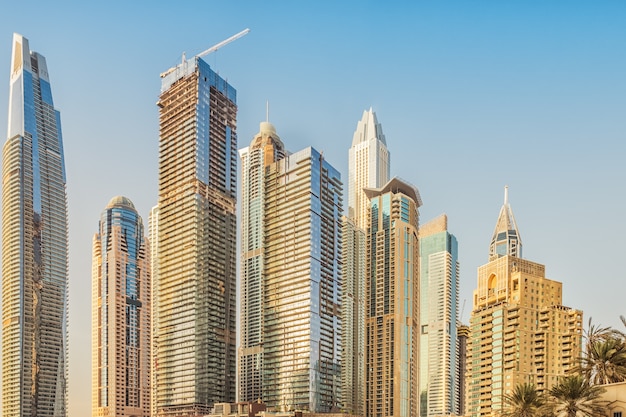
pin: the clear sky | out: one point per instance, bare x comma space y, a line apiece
472, 96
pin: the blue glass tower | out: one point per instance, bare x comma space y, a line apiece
302, 284
439, 295
34, 245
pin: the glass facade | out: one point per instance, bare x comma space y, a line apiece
121, 314
301, 304
35, 245
439, 286
195, 292
265, 149
392, 313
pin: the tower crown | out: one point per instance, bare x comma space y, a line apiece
506, 239
368, 128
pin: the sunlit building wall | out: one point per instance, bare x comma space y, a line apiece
392, 301
353, 318
265, 148
195, 328
34, 245
439, 295
121, 314
368, 167
519, 330
302, 300
153, 228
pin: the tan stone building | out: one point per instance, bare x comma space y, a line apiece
615, 397
519, 331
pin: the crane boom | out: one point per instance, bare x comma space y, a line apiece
223, 43
211, 49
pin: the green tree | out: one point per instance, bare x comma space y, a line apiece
574, 396
605, 361
524, 401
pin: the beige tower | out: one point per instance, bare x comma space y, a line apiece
121, 307
392, 301
519, 330
265, 149
195, 289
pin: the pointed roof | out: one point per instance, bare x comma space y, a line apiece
506, 239
368, 128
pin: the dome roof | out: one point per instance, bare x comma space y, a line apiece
121, 201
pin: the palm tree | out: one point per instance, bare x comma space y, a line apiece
524, 401
573, 396
605, 361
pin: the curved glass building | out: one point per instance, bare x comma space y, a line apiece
34, 245
121, 314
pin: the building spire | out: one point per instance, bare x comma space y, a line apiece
506, 239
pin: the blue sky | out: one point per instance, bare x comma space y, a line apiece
472, 96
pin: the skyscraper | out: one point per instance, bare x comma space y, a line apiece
519, 330
462, 333
34, 245
368, 165
121, 314
194, 325
265, 149
302, 300
439, 296
153, 227
392, 301
353, 317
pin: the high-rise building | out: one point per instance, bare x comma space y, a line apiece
195, 330
463, 333
34, 245
265, 149
392, 301
302, 299
153, 227
439, 295
368, 165
121, 316
353, 318
519, 331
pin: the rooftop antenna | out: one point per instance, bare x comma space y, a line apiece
211, 49
506, 195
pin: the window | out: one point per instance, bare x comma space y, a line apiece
617, 414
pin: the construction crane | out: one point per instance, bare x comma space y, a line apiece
462, 310
211, 49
